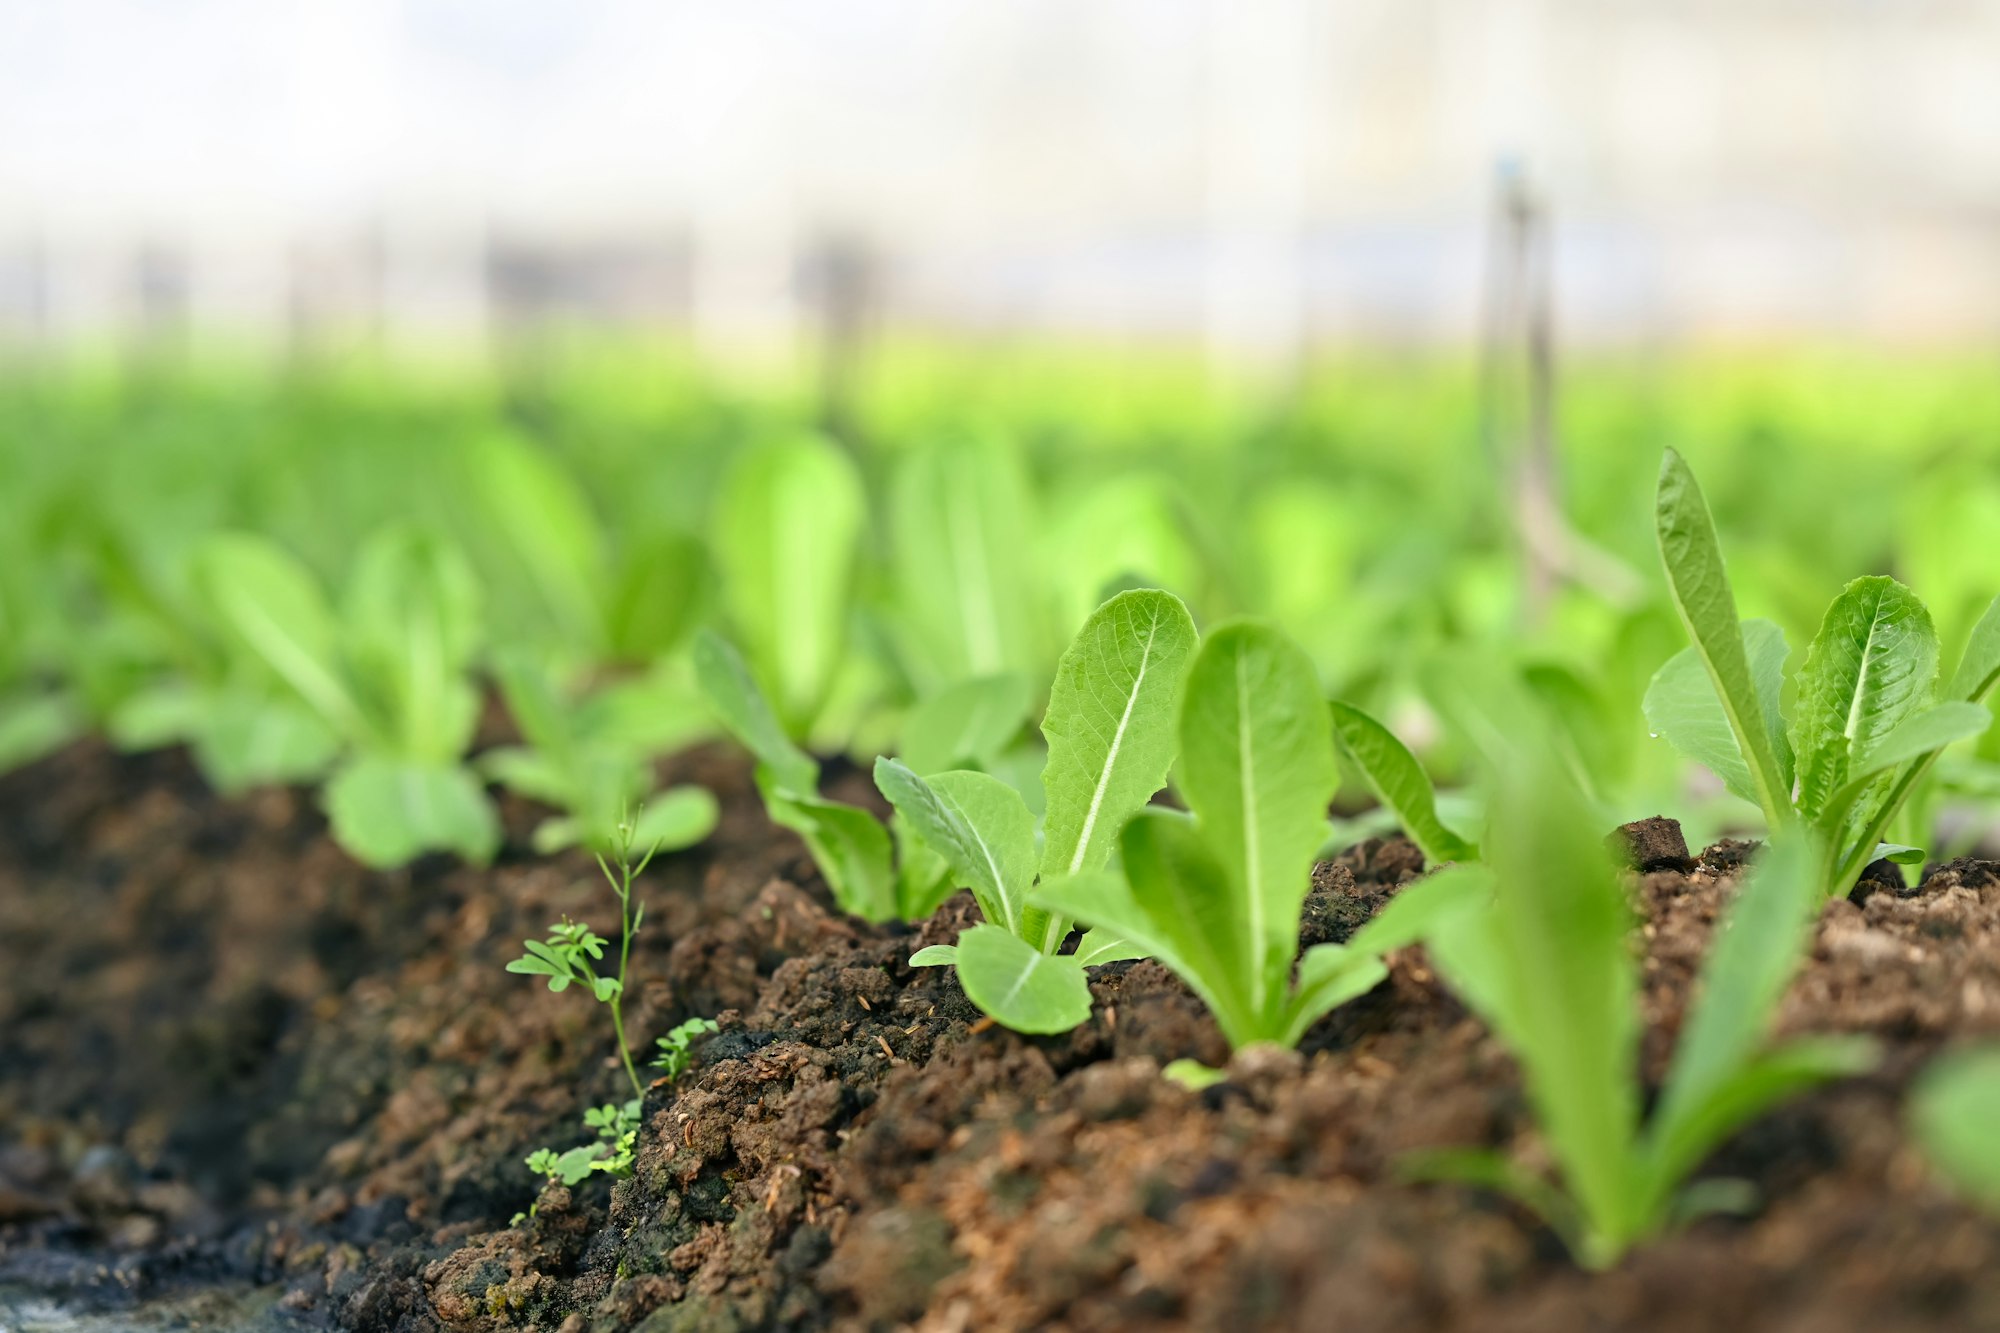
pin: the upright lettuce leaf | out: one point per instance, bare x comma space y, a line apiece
784, 535
547, 531
979, 825
412, 615
272, 604
1110, 724
967, 725
1399, 782
1257, 769
1028, 990
1701, 594
387, 811
1872, 664
1681, 704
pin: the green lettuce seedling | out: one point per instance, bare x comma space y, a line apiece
849, 845
1216, 896
1547, 962
388, 676
1867, 724
1110, 733
1953, 1112
1400, 783
578, 760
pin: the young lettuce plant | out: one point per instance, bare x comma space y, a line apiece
1546, 961
578, 760
849, 845
1867, 724
1110, 732
388, 676
1216, 896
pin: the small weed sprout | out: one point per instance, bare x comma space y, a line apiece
676, 1046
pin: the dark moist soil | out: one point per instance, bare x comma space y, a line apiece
228, 1054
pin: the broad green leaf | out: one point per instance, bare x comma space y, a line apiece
1757, 947
675, 818
1682, 705
1585, 729
742, 709
387, 812
1399, 782
849, 845
1329, 976
1013, 981
1102, 946
549, 530
1979, 666
935, 955
784, 533
157, 714
1110, 724
1699, 585
1560, 985
412, 616
1953, 1111
1898, 854
528, 773
1191, 918
32, 724
1738, 1095
1921, 732
656, 596
535, 703
981, 828
246, 739
1258, 770
967, 725
270, 602
964, 561
1417, 908
923, 878
1872, 664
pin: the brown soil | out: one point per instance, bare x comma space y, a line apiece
226, 1052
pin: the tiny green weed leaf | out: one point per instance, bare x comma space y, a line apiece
1872, 664
1399, 782
387, 811
1257, 768
1110, 724
1699, 585
1682, 705
967, 725
785, 528
1953, 1111
744, 712
1019, 985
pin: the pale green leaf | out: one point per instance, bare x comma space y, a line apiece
1953, 1111
1103, 946
784, 533
1019, 985
1682, 705
34, 723
1258, 770
548, 531
1872, 664
1329, 976
935, 955
270, 602
1699, 585
412, 626
967, 725
982, 829
1110, 724
245, 738
744, 712
656, 596
1193, 1074
1921, 732
675, 818
849, 845
387, 812
963, 557
1399, 782
1979, 666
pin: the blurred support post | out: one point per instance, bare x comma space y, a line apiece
841, 284
1518, 405
1261, 107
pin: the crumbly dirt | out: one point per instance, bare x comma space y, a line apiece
227, 1053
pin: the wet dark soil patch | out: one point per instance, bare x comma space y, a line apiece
227, 1053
